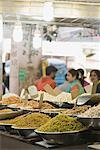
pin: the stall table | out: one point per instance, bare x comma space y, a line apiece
10, 142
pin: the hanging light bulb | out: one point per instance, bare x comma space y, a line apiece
37, 39
18, 32
48, 11
1, 28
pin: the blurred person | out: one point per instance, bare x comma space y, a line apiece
48, 79
7, 70
82, 77
95, 79
74, 85
3, 78
63, 86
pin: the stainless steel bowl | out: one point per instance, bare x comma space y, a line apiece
90, 99
66, 138
90, 122
8, 115
24, 132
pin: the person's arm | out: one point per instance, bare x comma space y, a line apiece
53, 85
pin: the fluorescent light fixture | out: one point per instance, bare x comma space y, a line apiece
37, 42
37, 39
18, 32
1, 28
7, 45
48, 11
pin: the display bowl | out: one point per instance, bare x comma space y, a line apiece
7, 128
2, 106
66, 138
89, 121
8, 115
88, 99
25, 132
4, 127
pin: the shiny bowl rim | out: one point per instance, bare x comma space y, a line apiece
66, 132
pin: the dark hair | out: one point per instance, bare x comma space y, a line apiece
81, 76
81, 71
3, 68
50, 69
97, 72
66, 76
74, 72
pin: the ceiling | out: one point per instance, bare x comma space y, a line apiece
71, 13
86, 1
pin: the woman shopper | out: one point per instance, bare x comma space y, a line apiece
74, 87
95, 79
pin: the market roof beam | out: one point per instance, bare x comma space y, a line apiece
63, 9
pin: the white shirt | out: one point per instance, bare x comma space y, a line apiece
7, 67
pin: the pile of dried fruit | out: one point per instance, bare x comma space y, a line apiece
92, 112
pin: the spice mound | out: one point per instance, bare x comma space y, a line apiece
11, 100
33, 120
76, 110
5, 110
61, 123
46, 105
92, 112
12, 121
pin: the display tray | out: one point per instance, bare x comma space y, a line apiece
92, 100
96, 135
65, 138
2, 106
91, 122
10, 130
38, 141
53, 103
61, 104
66, 105
95, 146
12, 106
8, 115
25, 132
30, 140
52, 112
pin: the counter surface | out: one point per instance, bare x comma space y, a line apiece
10, 143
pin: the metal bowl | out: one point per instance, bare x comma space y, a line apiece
90, 122
2, 106
25, 132
8, 115
7, 128
67, 105
51, 112
92, 100
66, 138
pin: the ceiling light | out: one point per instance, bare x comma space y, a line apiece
18, 32
1, 28
37, 39
48, 11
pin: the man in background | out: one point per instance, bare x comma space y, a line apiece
48, 79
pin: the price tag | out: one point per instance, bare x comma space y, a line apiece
22, 93
41, 100
32, 91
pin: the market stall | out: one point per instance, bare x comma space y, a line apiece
48, 127
36, 34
